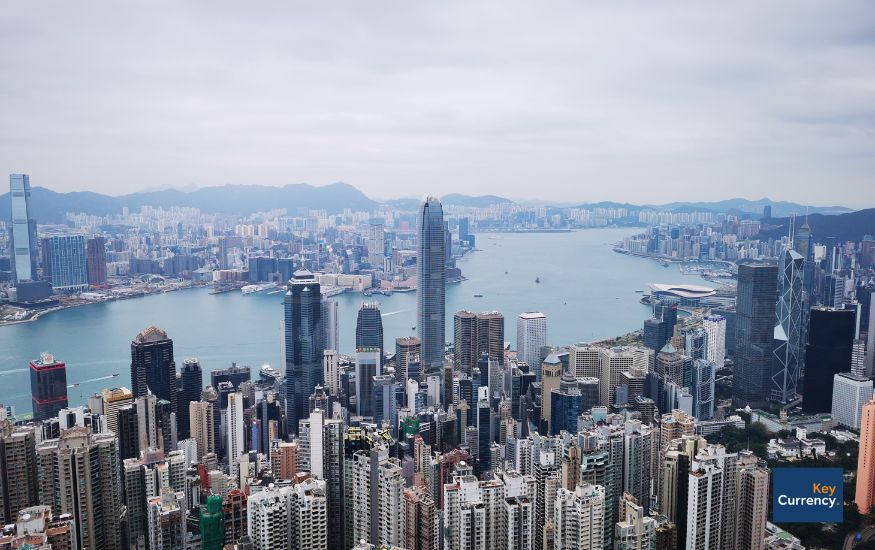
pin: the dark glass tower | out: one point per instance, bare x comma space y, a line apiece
48, 386
192, 385
755, 331
152, 366
304, 344
369, 328
830, 343
430, 297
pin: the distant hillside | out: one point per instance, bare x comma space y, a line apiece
50, 206
779, 208
481, 201
845, 227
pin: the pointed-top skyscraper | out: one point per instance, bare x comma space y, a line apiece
23, 229
430, 281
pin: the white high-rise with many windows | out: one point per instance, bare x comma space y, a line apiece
579, 517
531, 336
849, 393
235, 427
715, 326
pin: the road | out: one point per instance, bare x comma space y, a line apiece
868, 534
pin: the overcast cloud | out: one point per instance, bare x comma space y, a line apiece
640, 102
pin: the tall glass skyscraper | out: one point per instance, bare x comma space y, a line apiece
66, 264
788, 330
304, 344
153, 368
48, 387
828, 352
430, 281
24, 257
755, 332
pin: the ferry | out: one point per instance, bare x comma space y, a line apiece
114, 374
268, 373
478, 295
537, 280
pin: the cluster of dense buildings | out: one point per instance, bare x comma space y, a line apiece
432, 446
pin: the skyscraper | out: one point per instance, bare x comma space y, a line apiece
376, 244
828, 352
304, 344
430, 281
235, 428
407, 351
192, 384
152, 366
331, 323
95, 260
865, 494
369, 327
24, 258
715, 326
531, 336
788, 330
79, 474
18, 472
850, 393
752, 504
579, 517
48, 386
755, 331
65, 262
476, 334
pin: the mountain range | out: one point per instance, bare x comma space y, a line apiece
851, 226
50, 206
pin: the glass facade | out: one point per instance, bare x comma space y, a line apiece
24, 258
430, 289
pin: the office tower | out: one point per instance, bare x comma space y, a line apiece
484, 431
304, 347
65, 262
18, 472
167, 517
789, 333
701, 387
752, 503
870, 336
376, 244
113, 400
367, 366
420, 520
668, 314
146, 412
152, 366
385, 404
715, 327
464, 236
669, 364
531, 336
48, 387
585, 361
331, 322
833, 287
430, 284
849, 393
331, 371
616, 361
865, 493
369, 328
465, 341
858, 358
407, 349
755, 330
579, 517
828, 352
566, 404
377, 484
635, 531
25, 255
192, 384
79, 474
551, 374
201, 427
95, 260
490, 335
235, 428
696, 343
222, 252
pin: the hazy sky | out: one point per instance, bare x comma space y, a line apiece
641, 102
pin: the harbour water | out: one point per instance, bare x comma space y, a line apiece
586, 290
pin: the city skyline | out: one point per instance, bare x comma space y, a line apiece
622, 101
